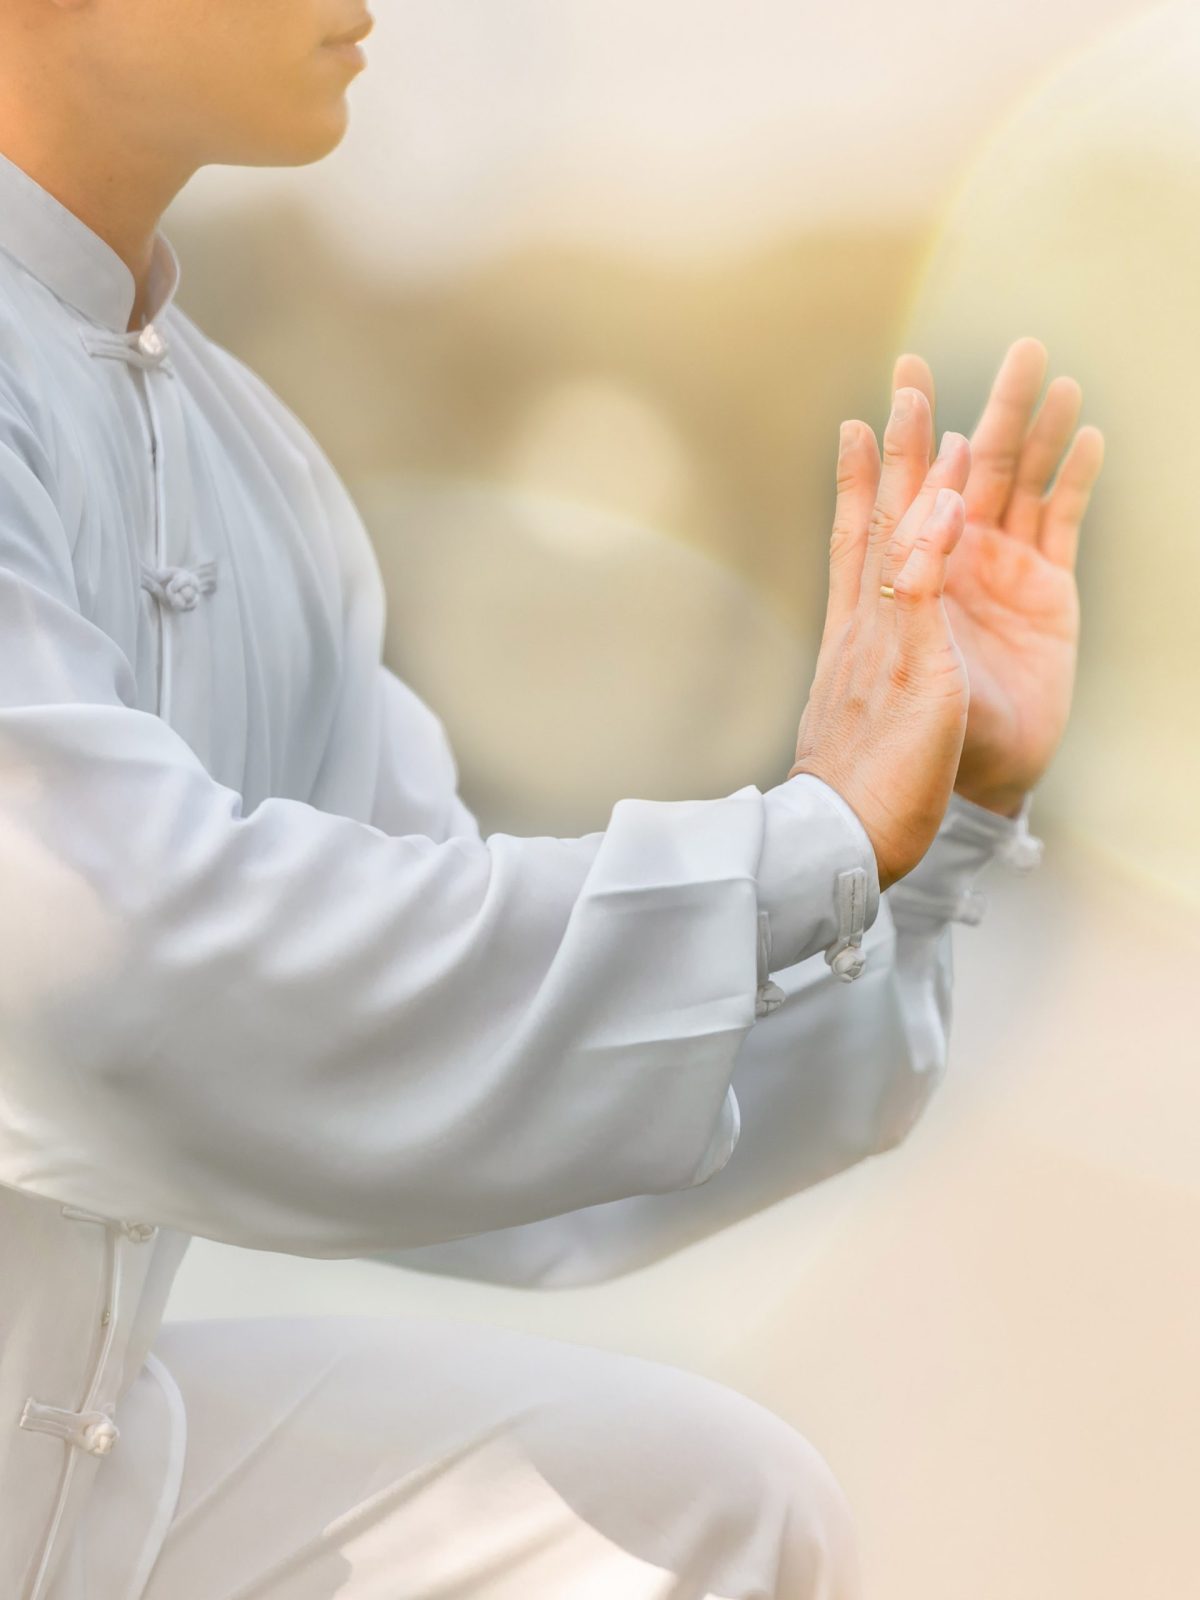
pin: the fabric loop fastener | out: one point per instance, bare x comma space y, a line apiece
94, 1432
1023, 852
845, 956
769, 996
139, 1232
129, 347
970, 906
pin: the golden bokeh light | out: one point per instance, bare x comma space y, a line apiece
593, 657
1081, 223
597, 440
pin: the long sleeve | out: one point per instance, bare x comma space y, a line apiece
295, 1030
831, 1076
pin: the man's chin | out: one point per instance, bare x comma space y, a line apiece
301, 143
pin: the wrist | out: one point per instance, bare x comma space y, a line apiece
1004, 802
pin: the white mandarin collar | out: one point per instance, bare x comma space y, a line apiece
76, 264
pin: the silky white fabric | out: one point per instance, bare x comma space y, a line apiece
316, 1467
264, 980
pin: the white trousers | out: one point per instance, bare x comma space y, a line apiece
381, 1459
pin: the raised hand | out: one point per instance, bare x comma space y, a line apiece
887, 711
1010, 590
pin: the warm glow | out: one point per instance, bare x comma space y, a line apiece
1082, 221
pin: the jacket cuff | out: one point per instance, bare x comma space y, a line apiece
818, 881
940, 888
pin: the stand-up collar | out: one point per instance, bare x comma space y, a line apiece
76, 264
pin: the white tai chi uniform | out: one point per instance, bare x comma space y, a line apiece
263, 980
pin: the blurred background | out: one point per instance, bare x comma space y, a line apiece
576, 309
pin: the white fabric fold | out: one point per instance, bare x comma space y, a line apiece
261, 976
288, 1028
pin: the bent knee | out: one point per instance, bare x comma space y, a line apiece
789, 1529
695, 1476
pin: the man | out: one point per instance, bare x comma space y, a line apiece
264, 980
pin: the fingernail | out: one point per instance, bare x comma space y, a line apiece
946, 446
901, 403
946, 502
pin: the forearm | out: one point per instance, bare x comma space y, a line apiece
291, 1031
834, 1074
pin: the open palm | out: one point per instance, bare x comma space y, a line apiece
1010, 587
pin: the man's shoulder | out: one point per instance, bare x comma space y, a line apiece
31, 387
22, 342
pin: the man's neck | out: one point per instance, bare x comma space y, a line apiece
120, 198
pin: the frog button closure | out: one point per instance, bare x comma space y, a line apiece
845, 956
94, 1432
151, 343
179, 588
139, 1232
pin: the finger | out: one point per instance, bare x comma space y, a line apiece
857, 486
1000, 434
1064, 509
913, 372
905, 463
1047, 439
920, 621
950, 470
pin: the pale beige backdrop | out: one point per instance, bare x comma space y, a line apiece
576, 309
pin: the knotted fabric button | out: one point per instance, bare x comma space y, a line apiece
98, 1438
1023, 852
139, 1232
151, 342
768, 997
848, 963
971, 905
180, 587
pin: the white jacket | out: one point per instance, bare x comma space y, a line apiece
263, 980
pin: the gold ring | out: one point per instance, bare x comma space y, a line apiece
887, 591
